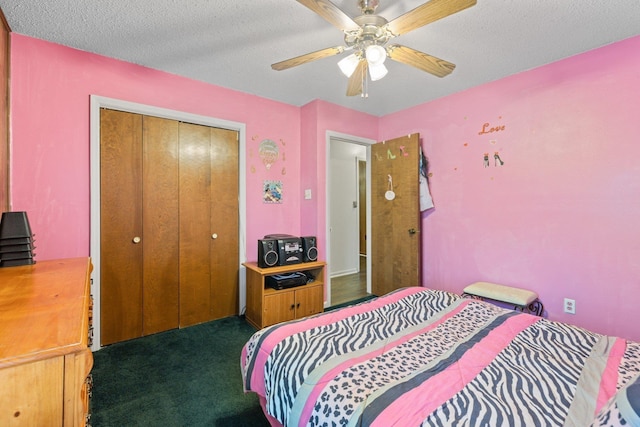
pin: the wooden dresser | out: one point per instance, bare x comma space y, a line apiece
45, 361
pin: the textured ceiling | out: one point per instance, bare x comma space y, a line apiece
233, 43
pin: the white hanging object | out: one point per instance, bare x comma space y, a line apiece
390, 195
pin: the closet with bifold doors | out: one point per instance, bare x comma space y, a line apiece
168, 224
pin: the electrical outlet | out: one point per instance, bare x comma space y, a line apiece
570, 306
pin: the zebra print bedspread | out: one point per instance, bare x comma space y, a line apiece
421, 357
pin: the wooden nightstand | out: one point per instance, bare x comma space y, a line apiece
267, 306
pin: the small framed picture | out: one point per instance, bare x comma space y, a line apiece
272, 192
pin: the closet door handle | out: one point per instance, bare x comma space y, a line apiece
137, 240
214, 236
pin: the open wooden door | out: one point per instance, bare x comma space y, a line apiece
395, 214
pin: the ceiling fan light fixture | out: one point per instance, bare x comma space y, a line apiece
375, 55
368, 34
377, 71
348, 64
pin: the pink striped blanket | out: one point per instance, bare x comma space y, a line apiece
422, 357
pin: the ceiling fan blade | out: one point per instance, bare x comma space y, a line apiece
426, 14
436, 66
331, 13
354, 87
308, 57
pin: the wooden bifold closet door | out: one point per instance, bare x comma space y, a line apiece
209, 287
169, 224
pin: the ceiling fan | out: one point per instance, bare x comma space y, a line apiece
367, 36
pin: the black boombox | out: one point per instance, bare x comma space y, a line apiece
284, 249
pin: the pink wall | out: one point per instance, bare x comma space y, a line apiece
51, 86
50, 89
561, 216
318, 117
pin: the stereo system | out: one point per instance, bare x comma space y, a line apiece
267, 253
309, 249
285, 249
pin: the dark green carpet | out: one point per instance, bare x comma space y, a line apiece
182, 377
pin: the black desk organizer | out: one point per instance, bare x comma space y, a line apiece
16, 240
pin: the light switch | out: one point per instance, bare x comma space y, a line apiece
307, 194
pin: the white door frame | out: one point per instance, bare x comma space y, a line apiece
332, 135
98, 102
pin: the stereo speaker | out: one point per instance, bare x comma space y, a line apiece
309, 249
267, 253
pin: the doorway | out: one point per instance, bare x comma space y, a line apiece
393, 251
347, 218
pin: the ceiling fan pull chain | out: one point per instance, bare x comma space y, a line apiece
365, 83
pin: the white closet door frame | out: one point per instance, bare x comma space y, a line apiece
98, 102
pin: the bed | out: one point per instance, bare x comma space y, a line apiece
423, 357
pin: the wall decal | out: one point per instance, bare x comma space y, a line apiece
489, 128
272, 192
404, 153
284, 171
390, 155
269, 152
